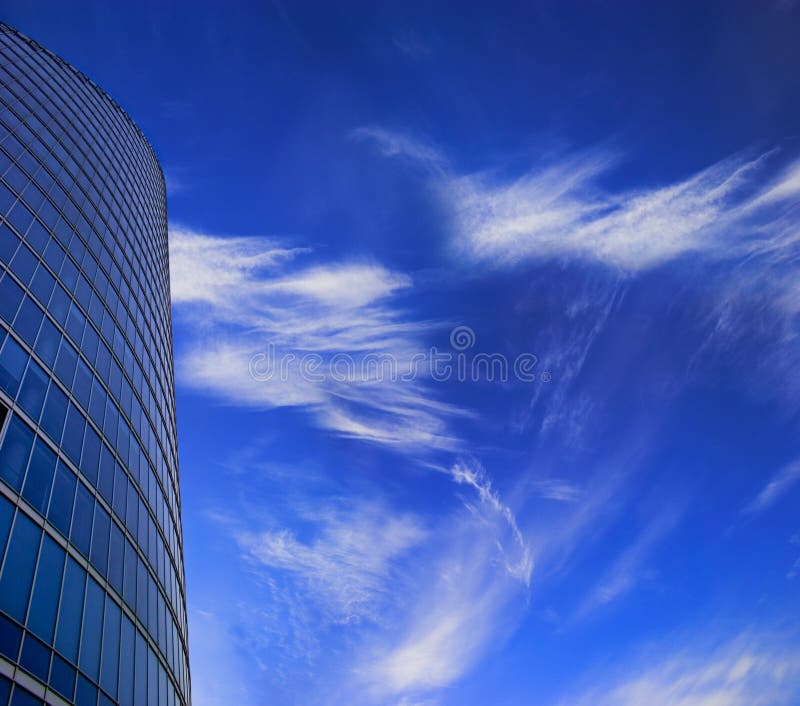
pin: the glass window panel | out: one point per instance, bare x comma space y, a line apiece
82, 387
100, 532
12, 365
8, 240
76, 322
10, 298
110, 660
55, 410
29, 318
71, 613
6, 515
42, 284
140, 683
62, 677
92, 630
72, 441
90, 457
35, 657
85, 693
65, 363
39, 479
14, 452
33, 390
47, 342
59, 304
129, 579
61, 501
10, 638
127, 648
105, 483
116, 551
23, 263
44, 602
23, 698
15, 583
120, 491
81, 532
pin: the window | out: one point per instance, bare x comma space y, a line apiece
55, 409
10, 298
60, 510
100, 532
81, 532
73, 434
29, 317
92, 630
35, 657
62, 677
12, 364
33, 391
71, 614
44, 602
110, 661
47, 342
39, 478
14, 452
15, 583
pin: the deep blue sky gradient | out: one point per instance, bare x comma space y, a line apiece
674, 396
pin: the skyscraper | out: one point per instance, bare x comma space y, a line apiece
92, 599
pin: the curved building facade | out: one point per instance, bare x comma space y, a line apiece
92, 600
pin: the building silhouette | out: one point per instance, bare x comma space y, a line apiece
92, 591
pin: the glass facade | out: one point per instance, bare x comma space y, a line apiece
92, 599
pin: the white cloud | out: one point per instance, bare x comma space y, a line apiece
561, 209
750, 669
246, 297
780, 484
346, 565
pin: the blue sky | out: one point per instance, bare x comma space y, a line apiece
609, 187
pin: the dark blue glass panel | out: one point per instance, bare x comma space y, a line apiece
6, 515
61, 501
81, 533
100, 532
59, 304
86, 692
14, 452
65, 363
91, 455
24, 698
110, 660
126, 656
33, 390
35, 657
92, 630
46, 589
29, 318
140, 683
72, 441
116, 553
12, 365
62, 677
105, 483
39, 479
15, 583
55, 410
47, 342
10, 298
71, 613
10, 638
5, 690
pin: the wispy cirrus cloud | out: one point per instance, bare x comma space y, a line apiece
345, 566
780, 483
562, 208
753, 668
244, 296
